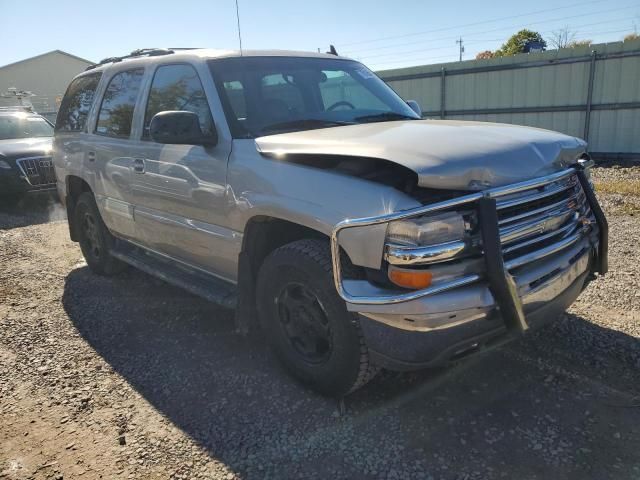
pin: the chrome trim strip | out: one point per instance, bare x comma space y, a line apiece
528, 184
535, 196
560, 232
401, 255
546, 251
376, 220
415, 294
579, 197
549, 222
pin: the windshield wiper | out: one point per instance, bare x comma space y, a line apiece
305, 123
384, 117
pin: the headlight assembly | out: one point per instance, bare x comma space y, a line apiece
427, 230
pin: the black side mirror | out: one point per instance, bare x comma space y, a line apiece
179, 127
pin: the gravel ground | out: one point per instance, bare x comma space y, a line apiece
127, 377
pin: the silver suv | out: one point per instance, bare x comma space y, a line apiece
302, 190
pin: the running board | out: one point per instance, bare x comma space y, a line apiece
195, 281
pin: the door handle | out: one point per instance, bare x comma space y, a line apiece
138, 165
91, 156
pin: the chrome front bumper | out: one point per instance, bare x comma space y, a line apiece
474, 296
451, 309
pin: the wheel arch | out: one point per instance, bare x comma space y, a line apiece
262, 235
75, 186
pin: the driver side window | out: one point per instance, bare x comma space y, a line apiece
177, 87
341, 87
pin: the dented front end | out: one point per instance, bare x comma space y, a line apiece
523, 254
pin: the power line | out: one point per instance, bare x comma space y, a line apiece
547, 32
452, 55
377, 55
581, 4
590, 32
494, 30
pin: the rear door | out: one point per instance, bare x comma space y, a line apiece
110, 151
179, 191
70, 140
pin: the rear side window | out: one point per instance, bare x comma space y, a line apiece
116, 112
178, 87
74, 110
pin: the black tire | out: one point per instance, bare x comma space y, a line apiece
95, 239
335, 361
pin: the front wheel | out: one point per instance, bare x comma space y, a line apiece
94, 237
307, 323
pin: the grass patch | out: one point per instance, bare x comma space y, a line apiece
622, 187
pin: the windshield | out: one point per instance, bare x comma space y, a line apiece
268, 95
24, 126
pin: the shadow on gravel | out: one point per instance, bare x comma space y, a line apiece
523, 411
31, 210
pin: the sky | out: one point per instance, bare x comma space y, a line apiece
381, 34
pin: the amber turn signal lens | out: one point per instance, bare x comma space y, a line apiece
414, 279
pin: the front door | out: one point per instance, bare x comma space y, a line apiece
179, 191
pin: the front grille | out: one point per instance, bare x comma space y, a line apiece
541, 218
38, 171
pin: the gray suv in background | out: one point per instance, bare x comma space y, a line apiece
302, 190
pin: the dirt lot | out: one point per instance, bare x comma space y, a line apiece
128, 377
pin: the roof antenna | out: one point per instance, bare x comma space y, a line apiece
332, 50
239, 33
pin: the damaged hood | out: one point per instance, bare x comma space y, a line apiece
444, 154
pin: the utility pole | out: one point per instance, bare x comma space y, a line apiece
460, 42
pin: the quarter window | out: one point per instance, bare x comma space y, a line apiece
178, 87
116, 112
74, 110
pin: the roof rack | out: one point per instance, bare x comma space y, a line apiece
141, 52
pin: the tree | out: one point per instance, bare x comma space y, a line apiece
579, 43
517, 43
631, 37
562, 38
484, 55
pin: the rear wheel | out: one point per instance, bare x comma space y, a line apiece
94, 237
307, 323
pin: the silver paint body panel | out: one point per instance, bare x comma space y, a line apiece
194, 203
